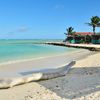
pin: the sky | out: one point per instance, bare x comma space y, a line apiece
45, 19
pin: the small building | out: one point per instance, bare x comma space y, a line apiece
80, 37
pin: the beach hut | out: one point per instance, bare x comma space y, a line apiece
80, 37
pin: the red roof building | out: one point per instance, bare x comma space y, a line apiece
84, 33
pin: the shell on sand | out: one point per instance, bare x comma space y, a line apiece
53, 73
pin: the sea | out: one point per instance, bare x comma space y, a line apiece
16, 50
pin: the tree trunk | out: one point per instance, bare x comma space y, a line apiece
94, 30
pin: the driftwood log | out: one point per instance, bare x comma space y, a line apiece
53, 73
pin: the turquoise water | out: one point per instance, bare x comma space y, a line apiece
13, 50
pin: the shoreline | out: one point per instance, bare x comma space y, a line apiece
33, 56
91, 47
41, 63
37, 58
25, 76
81, 83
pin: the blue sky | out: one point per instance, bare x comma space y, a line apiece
38, 19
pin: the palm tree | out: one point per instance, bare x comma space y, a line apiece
95, 22
69, 31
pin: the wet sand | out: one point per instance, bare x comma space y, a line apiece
81, 83
13, 69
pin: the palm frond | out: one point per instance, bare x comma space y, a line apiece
66, 33
90, 24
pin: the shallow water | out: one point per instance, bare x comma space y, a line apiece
13, 50
25, 56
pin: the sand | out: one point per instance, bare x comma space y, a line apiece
81, 83
16, 68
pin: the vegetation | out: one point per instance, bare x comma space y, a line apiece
95, 22
87, 39
70, 34
69, 31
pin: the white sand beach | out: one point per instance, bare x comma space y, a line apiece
81, 83
10, 69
